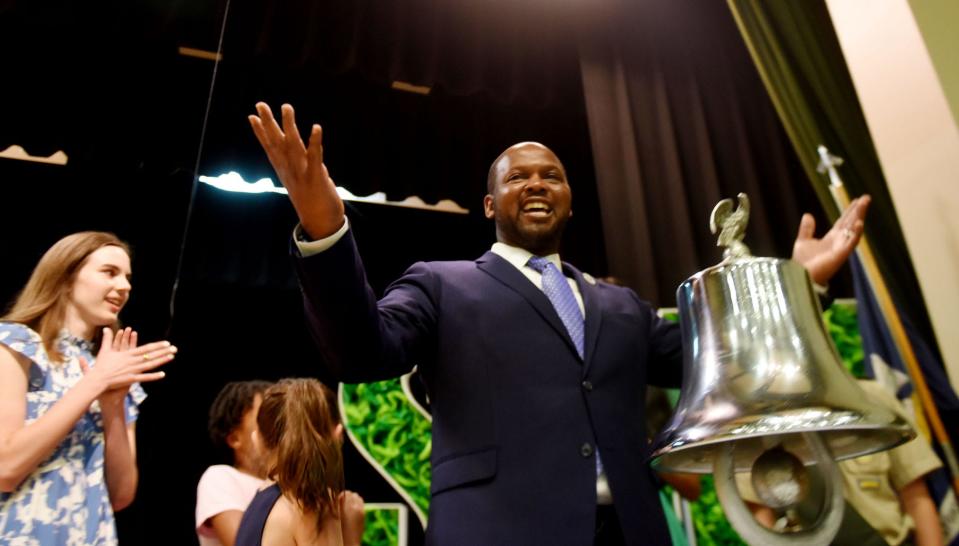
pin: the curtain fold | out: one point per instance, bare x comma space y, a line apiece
798, 55
678, 120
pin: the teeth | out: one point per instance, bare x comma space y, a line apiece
535, 206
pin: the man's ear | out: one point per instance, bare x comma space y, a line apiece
488, 206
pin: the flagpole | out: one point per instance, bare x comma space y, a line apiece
890, 314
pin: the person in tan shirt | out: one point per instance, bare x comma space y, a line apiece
886, 491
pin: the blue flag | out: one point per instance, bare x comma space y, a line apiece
884, 363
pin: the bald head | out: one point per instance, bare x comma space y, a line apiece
499, 165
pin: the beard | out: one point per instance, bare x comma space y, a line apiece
540, 238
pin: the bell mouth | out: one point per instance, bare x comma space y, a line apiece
847, 434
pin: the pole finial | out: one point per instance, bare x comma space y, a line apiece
828, 164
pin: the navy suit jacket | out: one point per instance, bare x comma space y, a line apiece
517, 414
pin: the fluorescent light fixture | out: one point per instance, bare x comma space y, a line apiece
17, 152
234, 182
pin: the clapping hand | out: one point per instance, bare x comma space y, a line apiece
120, 363
823, 257
301, 170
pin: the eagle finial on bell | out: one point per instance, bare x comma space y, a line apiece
731, 225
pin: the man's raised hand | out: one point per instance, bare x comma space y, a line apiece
300, 169
823, 257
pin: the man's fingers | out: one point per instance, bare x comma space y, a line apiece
855, 211
844, 221
315, 169
855, 233
863, 207
292, 132
268, 145
807, 227
316, 142
270, 140
258, 130
270, 127
314, 164
850, 223
273, 149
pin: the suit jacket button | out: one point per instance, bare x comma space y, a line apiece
586, 450
588, 386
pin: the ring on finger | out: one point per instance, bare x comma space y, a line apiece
147, 357
848, 233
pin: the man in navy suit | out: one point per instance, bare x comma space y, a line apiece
536, 373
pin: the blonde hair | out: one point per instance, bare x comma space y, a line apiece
297, 421
42, 303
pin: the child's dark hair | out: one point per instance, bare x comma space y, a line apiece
297, 422
226, 412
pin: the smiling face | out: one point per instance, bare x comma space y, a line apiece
101, 287
529, 198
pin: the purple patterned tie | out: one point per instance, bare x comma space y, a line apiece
557, 289
561, 296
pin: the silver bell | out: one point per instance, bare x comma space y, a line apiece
762, 376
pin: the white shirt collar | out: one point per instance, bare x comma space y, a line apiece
519, 256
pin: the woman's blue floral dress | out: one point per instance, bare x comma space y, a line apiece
65, 500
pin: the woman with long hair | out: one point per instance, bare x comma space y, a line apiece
299, 427
67, 438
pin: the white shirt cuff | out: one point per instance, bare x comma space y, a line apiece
309, 248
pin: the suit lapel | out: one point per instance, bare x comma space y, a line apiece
504, 272
594, 315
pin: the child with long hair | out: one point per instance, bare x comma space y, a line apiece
299, 426
67, 437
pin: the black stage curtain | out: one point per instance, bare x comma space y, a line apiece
679, 119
